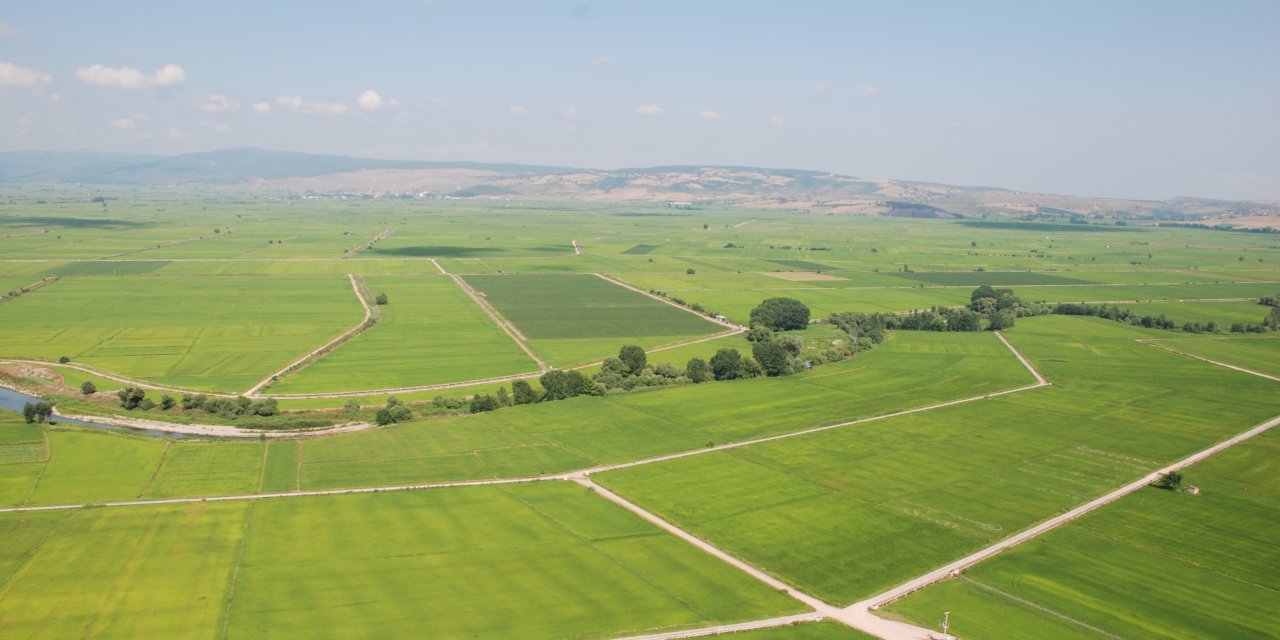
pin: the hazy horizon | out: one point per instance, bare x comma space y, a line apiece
1144, 100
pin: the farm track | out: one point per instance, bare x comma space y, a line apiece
326, 347
111, 376
43, 282
368, 245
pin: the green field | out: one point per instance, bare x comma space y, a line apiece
571, 319
215, 290
228, 333
1212, 576
1259, 353
955, 479
430, 333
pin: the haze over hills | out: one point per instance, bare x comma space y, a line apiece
680, 186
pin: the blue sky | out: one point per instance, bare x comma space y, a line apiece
1131, 99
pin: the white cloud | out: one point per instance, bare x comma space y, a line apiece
130, 78
54, 98
370, 100
517, 109
262, 108
167, 76
778, 121
712, 115
221, 128
176, 133
123, 123
869, 89
7, 31
217, 103
821, 87
12, 75
438, 103
310, 107
649, 110
571, 112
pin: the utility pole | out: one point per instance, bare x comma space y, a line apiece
946, 625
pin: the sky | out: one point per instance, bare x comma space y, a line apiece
1142, 99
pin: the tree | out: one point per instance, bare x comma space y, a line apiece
64, 359
759, 333
773, 358
781, 314
265, 407
1170, 481
167, 402
481, 403
750, 368
381, 299
523, 393
697, 371
690, 271
634, 357
352, 407
37, 411
614, 366
997, 320
131, 397
726, 364
560, 385
88, 387
667, 370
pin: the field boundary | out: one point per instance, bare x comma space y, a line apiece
620, 283
366, 246
1153, 342
370, 318
22, 291
112, 376
497, 319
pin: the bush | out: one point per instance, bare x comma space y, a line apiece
64, 359
88, 388
352, 407
781, 314
697, 371
726, 364
381, 299
167, 402
481, 403
131, 397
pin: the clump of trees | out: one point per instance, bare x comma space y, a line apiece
631, 370
37, 411
395, 411
780, 314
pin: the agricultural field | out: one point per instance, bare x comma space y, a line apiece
230, 331
1251, 352
571, 319
936, 443
955, 479
1210, 577
430, 333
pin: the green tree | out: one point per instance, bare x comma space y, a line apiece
634, 357
37, 411
381, 299
667, 370
64, 359
781, 314
750, 368
1171, 480
559, 384
483, 402
522, 392
88, 387
773, 357
264, 407
131, 397
726, 364
503, 398
697, 371
167, 402
614, 366
759, 333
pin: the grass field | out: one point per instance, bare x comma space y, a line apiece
955, 479
430, 333
1212, 576
225, 334
526, 560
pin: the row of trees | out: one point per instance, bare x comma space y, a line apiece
135, 398
37, 411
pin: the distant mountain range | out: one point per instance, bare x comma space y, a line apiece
677, 186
